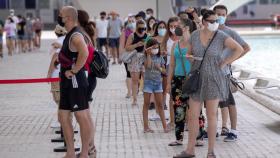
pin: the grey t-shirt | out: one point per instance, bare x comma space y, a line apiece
115, 28
154, 73
228, 52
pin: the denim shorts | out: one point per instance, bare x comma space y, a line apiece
152, 86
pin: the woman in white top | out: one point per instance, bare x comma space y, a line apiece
10, 28
169, 39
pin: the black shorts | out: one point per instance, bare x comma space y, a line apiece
229, 102
101, 42
114, 42
73, 99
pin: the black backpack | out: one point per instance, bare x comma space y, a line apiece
99, 65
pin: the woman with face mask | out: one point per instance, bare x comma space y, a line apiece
212, 83
168, 41
154, 68
129, 29
10, 28
150, 23
135, 42
179, 68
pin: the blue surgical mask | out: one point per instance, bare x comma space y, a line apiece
161, 32
222, 20
130, 26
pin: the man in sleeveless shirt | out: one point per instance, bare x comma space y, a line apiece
73, 85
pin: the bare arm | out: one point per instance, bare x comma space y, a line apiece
246, 48
171, 65
52, 66
237, 51
129, 46
79, 44
122, 42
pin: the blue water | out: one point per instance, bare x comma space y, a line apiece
264, 56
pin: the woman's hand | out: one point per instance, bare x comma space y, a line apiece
56, 45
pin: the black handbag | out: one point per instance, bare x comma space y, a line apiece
99, 65
191, 85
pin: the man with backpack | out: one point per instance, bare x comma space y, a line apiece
74, 83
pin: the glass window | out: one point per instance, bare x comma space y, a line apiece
17, 4
3, 4
275, 1
30, 4
263, 1
44, 4
253, 2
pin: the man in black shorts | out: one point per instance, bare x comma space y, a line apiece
74, 83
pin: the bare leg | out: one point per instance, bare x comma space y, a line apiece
158, 98
211, 111
86, 130
171, 111
135, 81
224, 112
145, 110
195, 108
233, 116
66, 123
128, 86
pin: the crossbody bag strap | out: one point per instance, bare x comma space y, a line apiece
181, 54
205, 51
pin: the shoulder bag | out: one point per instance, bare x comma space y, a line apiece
191, 85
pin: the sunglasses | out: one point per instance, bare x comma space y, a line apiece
142, 28
212, 21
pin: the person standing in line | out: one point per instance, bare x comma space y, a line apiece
150, 23
87, 28
21, 31
154, 68
179, 69
136, 42
228, 106
54, 68
74, 83
1, 38
149, 13
130, 26
212, 83
38, 26
29, 34
168, 41
101, 28
114, 33
10, 29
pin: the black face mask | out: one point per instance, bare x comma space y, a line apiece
178, 31
60, 22
141, 30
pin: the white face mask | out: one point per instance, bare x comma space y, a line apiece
213, 27
155, 51
172, 30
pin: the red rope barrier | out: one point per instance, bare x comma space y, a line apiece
35, 80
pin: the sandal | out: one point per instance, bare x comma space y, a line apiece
211, 155
225, 131
176, 143
184, 154
91, 153
148, 130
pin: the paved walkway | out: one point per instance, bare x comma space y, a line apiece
26, 112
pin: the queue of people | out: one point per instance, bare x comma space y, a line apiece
23, 34
162, 55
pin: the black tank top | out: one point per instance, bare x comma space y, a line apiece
137, 39
67, 59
